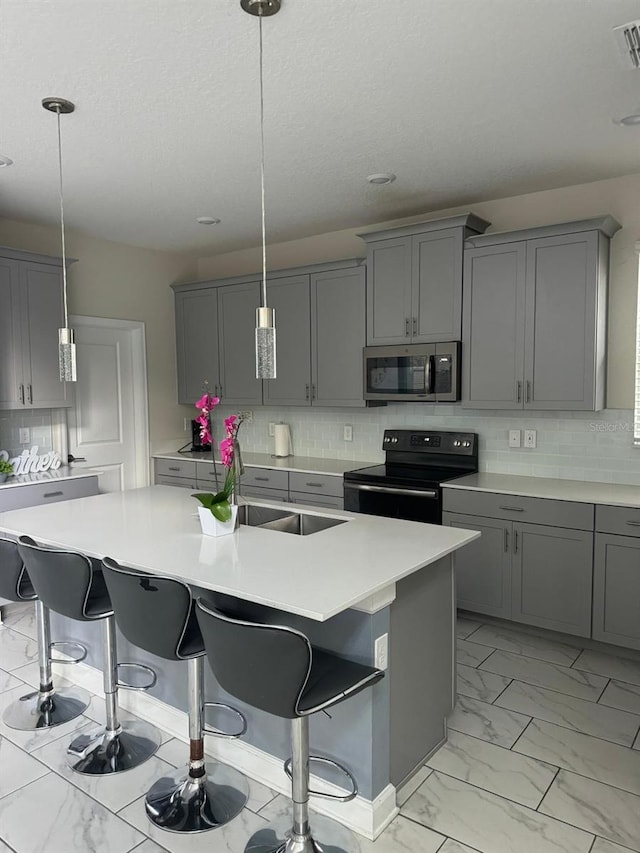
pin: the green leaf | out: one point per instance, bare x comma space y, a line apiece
206, 499
222, 510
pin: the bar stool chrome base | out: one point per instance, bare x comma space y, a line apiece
279, 837
197, 803
45, 709
102, 752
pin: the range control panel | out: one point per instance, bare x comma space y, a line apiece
442, 441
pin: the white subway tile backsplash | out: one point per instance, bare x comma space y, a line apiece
571, 445
37, 420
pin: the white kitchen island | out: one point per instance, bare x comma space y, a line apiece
344, 587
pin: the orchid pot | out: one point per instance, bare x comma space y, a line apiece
212, 526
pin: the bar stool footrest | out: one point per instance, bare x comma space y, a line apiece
61, 645
136, 666
211, 730
341, 798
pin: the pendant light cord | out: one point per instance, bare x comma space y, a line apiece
64, 251
264, 230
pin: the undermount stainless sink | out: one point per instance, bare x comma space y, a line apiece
285, 521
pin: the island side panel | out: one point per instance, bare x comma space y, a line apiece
421, 667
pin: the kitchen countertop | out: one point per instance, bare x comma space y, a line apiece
612, 494
65, 472
156, 529
307, 464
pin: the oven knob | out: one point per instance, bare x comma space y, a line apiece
387, 439
457, 443
466, 444
394, 439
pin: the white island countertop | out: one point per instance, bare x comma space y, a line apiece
156, 529
612, 494
306, 464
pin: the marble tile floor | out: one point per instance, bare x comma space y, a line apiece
543, 756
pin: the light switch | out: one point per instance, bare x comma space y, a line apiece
25, 435
530, 438
348, 432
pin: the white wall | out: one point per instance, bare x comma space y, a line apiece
618, 196
126, 283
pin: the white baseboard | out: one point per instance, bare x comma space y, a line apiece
365, 817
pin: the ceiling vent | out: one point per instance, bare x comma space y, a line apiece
628, 39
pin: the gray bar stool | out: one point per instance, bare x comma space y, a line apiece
276, 669
46, 707
70, 584
158, 614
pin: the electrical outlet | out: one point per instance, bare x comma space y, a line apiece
530, 438
25, 435
187, 425
381, 652
246, 416
514, 438
272, 428
348, 432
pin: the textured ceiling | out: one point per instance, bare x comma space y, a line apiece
463, 99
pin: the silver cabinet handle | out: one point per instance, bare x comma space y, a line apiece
506, 539
528, 397
262, 479
174, 469
319, 486
406, 327
518, 391
415, 325
52, 494
512, 508
220, 391
29, 395
21, 393
634, 523
306, 392
313, 391
515, 541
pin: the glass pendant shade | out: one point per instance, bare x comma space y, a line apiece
67, 355
265, 343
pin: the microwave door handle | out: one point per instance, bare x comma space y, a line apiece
431, 374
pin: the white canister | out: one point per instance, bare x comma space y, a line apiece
282, 435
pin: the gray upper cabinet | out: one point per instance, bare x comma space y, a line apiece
30, 316
320, 333
197, 343
337, 337
414, 281
534, 317
236, 324
289, 297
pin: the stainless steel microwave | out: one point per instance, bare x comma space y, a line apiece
424, 373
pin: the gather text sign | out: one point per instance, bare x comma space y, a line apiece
29, 462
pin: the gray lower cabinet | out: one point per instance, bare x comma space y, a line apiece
552, 571
483, 568
47, 492
30, 316
534, 317
181, 482
537, 571
264, 493
616, 579
414, 290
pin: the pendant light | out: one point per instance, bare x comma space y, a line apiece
265, 317
66, 342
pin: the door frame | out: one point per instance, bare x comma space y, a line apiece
140, 390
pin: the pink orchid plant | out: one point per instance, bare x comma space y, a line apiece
220, 504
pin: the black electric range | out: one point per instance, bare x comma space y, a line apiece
408, 484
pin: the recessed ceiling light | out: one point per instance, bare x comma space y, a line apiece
631, 120
208, 220
382, 178
5, 161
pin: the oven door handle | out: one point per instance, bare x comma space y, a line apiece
390, 490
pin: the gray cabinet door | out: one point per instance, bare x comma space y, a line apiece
389, 304
437, 286
483, 568
237, 305
197, 343
11, 380
337, 337
42, 313
616, 590
493, 326
560, 323
552, 578
290, 298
